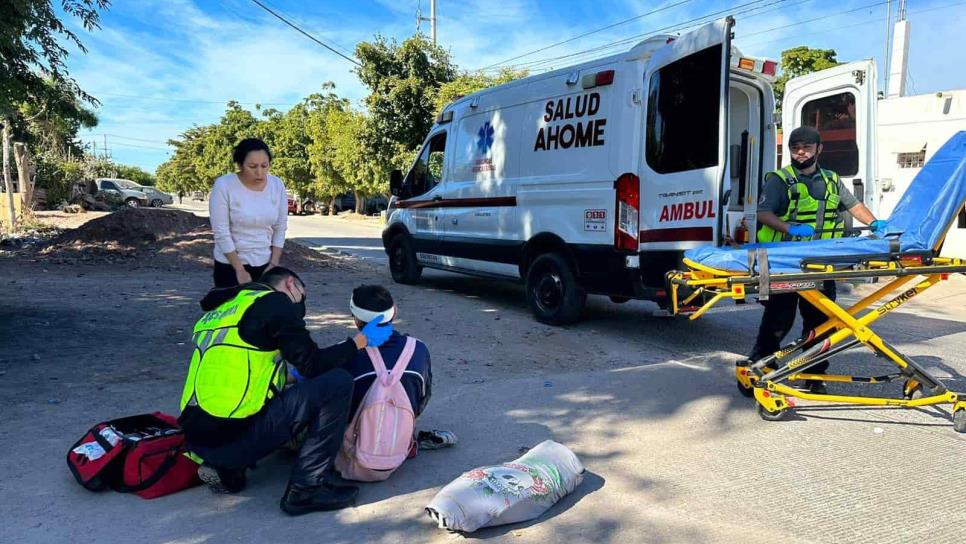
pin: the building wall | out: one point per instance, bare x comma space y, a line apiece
907, 126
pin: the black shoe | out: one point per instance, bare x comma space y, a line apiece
299, 500
222, 480
816, 387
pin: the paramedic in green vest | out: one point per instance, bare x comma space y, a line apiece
802, 201
235, 409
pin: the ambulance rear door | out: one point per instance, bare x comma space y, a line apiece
840, 103
684, 163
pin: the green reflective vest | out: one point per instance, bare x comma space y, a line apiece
229, 377
804, 209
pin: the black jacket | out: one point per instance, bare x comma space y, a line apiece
272, 322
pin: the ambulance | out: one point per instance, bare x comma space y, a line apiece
594, 179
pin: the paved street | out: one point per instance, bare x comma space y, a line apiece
649, 404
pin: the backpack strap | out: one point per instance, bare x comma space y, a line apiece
379, 365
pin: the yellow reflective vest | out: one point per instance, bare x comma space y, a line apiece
228, 377
804, 209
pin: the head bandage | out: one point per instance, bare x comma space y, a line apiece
368, 315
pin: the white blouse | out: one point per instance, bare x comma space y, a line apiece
246, 221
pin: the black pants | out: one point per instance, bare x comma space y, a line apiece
225, 275
319, 405
780, 316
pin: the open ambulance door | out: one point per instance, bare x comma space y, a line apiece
840, 103
684, 163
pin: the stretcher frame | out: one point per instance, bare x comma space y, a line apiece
696, 291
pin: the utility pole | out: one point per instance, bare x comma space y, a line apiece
431, 19
7, 178
899, 60
105, 146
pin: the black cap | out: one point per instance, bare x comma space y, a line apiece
804, 135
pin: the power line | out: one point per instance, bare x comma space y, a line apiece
304, 33
585, 34
187, 101
94, 134
736, 10
796, 23
842, 27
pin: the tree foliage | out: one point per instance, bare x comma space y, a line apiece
799, 61
32, 48
468, 83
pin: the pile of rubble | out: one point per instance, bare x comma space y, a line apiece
153, 238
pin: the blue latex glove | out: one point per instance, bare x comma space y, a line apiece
295, 374
797, 230
878, 226
375, 333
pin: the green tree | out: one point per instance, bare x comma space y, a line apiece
470, 82
32, 49
404, 80
135, 174
799, 61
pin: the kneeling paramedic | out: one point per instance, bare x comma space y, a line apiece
802, 202
234, 408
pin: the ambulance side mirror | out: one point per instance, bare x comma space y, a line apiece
395, 182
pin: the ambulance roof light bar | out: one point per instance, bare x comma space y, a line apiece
598, 79
768, 68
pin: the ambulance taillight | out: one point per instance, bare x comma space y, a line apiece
627, 220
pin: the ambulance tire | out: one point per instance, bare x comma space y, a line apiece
553, 294
402, 260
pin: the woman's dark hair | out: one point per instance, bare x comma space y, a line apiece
246, 146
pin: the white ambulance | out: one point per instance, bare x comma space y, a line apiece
594, 179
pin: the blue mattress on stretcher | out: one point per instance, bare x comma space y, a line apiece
920, 219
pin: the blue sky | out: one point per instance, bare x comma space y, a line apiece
160, 66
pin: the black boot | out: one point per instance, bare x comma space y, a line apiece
299, 500
221, 480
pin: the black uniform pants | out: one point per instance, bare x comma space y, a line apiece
779, 317
225, 276
319, 405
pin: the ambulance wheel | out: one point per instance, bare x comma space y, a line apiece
552, 291
771, 416
959, 420
618, 299
402, 260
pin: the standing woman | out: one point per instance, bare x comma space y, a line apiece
249, 216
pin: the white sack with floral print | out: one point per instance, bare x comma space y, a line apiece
508, 493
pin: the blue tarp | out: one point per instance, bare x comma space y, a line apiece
920, 219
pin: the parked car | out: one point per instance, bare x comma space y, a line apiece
309, 206
344, 202
156, 198
376, 204
198, 195
125, 189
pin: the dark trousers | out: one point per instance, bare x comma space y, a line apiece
780, 316
225, 275
319, 405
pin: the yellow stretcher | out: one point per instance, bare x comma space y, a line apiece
695, 291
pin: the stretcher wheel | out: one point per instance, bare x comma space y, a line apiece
772, 416
959, 421
915, 393
745, 391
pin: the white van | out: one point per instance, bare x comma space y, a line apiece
595, 178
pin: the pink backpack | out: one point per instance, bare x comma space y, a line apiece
380, 435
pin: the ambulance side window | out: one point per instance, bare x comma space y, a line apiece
427, 172
834, 118
683, 112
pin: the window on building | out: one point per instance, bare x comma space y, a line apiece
683, 112
961, 222
835, 119
914, 159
